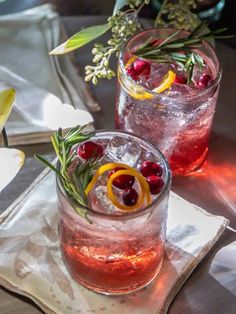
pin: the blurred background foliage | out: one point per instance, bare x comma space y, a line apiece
218, 13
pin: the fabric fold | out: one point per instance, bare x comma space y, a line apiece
25, 65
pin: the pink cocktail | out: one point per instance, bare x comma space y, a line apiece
177, 120
117, 249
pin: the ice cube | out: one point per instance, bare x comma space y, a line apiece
158, 72
100, 202
123, 150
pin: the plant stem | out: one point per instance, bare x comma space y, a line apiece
139, 9
160, 13
4, 136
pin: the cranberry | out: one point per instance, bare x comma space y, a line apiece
155, 184
180, 80
137, 68
155, 42
122, 182
149, 167
90, 149
204, 81
132, 73
130, 197
142, 67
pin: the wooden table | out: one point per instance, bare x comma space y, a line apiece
211, 289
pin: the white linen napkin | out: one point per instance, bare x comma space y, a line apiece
36, 111
31, 263
26, 38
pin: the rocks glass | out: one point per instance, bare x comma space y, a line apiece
177, 121
117, 252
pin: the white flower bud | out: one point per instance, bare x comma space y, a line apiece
95, 80
94, 51
105, 62
88, 68
88, 77
97, 58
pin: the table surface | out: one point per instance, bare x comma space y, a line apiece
212, 286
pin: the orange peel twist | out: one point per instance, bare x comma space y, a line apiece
144, 187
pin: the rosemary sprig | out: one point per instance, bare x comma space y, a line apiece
73, 180
179, 50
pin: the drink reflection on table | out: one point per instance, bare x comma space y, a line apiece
213, 185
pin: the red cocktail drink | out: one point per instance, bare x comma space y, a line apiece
156, 101
115, 266
119, 248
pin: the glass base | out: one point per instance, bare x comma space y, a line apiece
120, 291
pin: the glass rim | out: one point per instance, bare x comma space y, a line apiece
126, 215
186, 98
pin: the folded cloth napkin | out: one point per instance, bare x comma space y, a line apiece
26, 38
36, 112
31, 263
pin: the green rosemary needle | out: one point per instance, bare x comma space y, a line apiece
73, 180
180, 50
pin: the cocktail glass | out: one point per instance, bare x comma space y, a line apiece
118, 252
177, 121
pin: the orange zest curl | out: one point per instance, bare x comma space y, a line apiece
144, 196
166, 83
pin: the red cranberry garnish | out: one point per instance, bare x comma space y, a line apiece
204, 81
155, 184
90, 149
149, 167
130, 70
137, 68
130, 197
180, 79
142, 67
155, 42
122, 182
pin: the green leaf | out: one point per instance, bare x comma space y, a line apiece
81, 38
119, 5
86, 35
7, 98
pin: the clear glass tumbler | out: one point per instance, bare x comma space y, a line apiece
177, 121
118, 252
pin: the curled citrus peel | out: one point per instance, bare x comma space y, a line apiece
135, 91
100, 171
138, 92
166, 82
144, 188
130, 61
